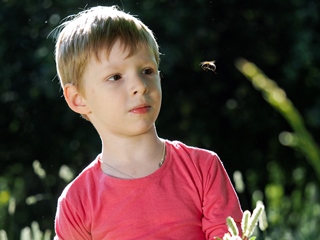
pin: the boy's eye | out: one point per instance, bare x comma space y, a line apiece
147, 71
115, 77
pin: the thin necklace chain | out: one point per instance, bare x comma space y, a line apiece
114, 169
160, 163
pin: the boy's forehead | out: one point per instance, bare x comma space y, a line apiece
118, 47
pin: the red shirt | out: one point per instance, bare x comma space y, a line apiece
189, 197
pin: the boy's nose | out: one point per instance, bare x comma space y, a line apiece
139, 86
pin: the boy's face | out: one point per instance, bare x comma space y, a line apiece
122, 94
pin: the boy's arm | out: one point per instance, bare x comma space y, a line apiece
219, 202
68, 223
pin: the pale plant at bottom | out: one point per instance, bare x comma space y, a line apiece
29, 233
248, 224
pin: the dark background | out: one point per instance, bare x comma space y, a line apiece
222, 112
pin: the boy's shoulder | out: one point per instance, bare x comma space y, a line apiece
200, 158
183, 147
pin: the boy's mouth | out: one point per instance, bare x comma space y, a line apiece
140, 109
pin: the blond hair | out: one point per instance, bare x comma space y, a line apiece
91, 31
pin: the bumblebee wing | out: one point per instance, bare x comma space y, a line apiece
208, 62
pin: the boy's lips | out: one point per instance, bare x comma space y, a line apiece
140, 109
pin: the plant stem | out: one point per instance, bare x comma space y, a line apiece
277, 98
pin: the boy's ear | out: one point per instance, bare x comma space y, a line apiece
74, 100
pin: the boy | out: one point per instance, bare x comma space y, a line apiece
140, 186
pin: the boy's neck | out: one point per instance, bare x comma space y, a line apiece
136, 156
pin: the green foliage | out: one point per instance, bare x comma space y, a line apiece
299, 212
219, 111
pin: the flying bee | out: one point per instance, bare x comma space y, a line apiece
208, 66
